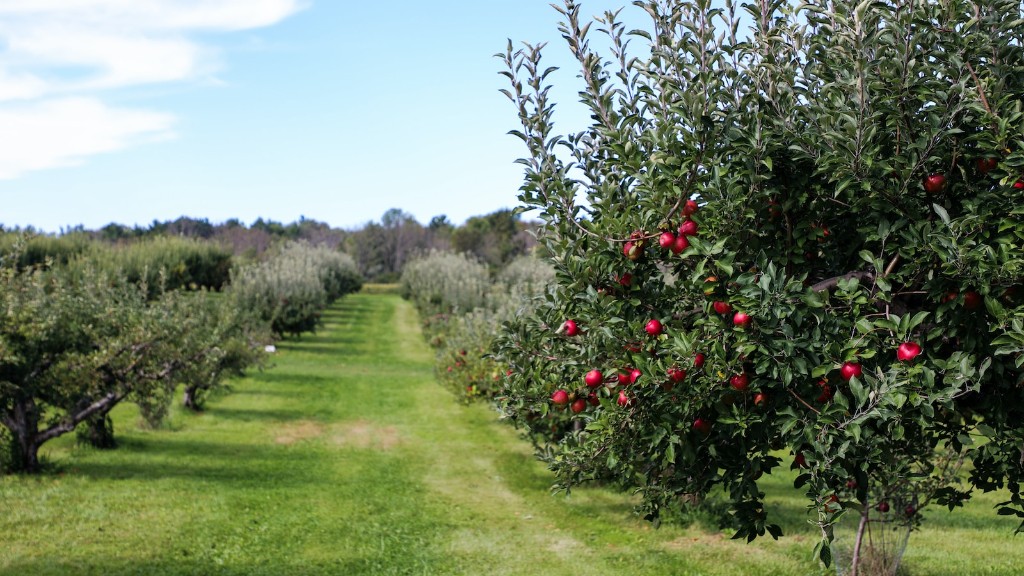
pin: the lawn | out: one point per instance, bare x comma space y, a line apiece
345, 457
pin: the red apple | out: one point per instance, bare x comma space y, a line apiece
972, 300
702, 426
934, 183
624, 399
741, 319
594, 399
740, 382
774, 210
690, 208
571, 329
987, 164
826, 392
760, 399
634, 375
722, 307
882, 507
688, 228
851, 484
560, 398
579, 405
633, 250
623, 377
1018, 185
594, 378
680, 245
666, 240
625, 280
908, 351
910, 510
851, 369
799, 460
654, 327
698, 361
676, 374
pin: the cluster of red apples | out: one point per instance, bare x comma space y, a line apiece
677, 242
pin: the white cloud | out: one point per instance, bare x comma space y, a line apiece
61, 58
63, 132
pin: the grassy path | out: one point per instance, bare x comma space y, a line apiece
347, 458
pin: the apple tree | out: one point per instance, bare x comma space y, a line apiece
74, 346
791, 237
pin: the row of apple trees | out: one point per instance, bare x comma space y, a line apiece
462, 303
83, 333
791, 237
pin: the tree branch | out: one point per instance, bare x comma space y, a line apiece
831, 283
66, 426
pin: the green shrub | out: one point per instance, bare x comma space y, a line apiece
41, 249
463, 339
442, 282
166, 263
290, 290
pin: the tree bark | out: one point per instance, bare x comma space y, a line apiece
855, 563
191, 400
99, 432
23, 422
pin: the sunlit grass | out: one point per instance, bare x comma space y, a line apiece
345, 457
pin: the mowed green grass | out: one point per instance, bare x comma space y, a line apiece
346, 457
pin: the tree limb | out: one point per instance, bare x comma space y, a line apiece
831, 283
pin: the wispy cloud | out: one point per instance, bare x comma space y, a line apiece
59, 60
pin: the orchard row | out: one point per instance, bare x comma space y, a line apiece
83, 333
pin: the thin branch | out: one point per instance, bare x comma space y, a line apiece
804, 402
981, 93
831, 283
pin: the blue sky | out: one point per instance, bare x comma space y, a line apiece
133, 110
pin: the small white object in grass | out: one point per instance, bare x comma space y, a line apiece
270, 348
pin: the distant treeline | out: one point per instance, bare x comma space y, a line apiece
380, 248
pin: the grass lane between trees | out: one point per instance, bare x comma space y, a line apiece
345, 457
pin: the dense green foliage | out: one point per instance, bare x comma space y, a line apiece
291, 289
443, 282
848, 178
75, 344
40, 250
462, 307
167, 263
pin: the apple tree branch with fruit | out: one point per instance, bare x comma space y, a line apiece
787, 239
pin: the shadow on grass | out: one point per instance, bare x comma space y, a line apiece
256, 415
335, 337
180, 565
240, 465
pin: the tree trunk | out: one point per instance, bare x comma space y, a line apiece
855, 564
98, 432
23, 422
191, 400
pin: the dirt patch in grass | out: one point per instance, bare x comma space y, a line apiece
366, 434
302, 430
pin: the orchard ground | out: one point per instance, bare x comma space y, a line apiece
346, 457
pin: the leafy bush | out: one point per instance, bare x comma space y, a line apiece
462, 309
290, 290
163, 263
805, 240
36, 250
443, 282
